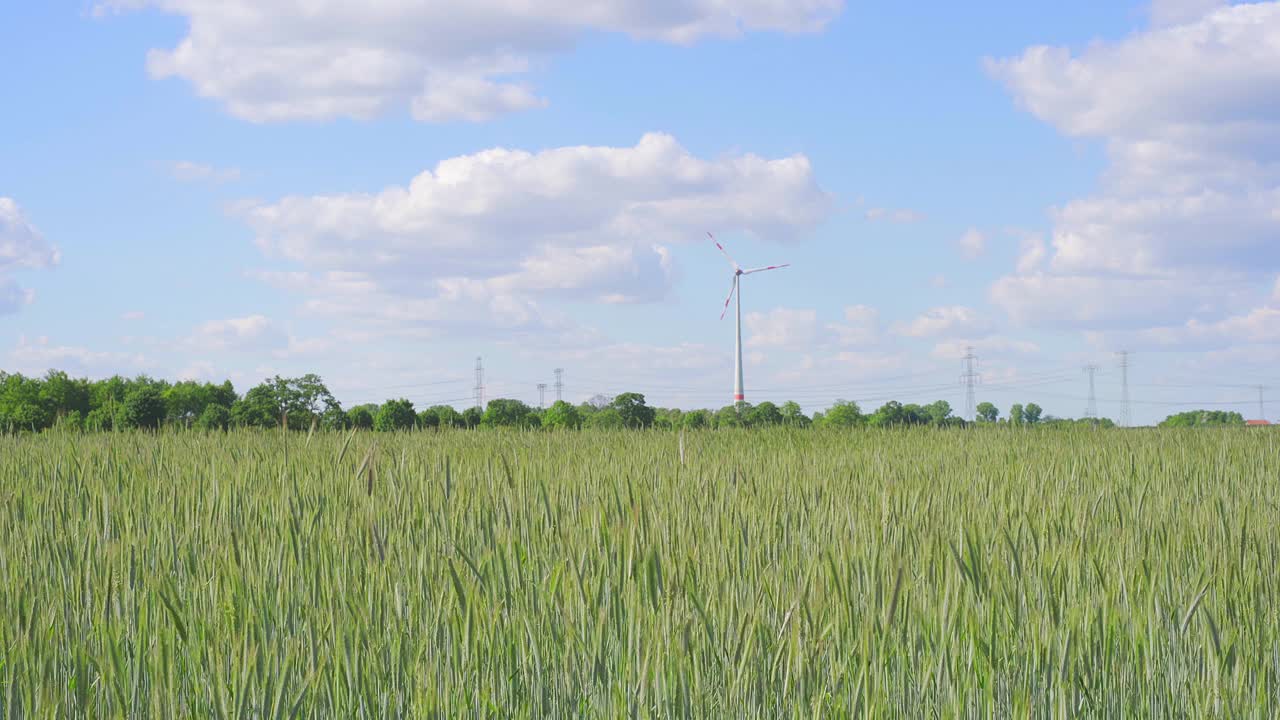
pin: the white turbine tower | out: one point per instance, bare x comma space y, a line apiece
738, 272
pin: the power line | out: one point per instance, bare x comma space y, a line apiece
542, 395
559, 384
479, 389
454, 381
1262, 403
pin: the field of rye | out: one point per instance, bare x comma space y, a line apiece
910, 573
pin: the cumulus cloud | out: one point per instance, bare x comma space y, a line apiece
1185, 219
37, 355
1031, 254
991, 344
186, 171
269, 61
1177, 12
901, 216
942, 321
861, 326
973, 244
483, 239
1257, 327
251, 333
781, 327
22, 246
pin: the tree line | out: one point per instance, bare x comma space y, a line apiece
56, 400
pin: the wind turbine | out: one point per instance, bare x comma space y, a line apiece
738, 272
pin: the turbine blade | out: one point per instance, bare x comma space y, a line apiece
732, 288
724, 252
762, 269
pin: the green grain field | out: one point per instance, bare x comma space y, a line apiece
925, 573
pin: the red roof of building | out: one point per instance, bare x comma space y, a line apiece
1256, 423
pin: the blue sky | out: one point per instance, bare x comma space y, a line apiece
225, 188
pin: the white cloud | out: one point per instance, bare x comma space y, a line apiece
861, 326
185, 171
992, 344
22, 246
1086, 302
361, 311
34, 357
481, 239
900, 216
781, 327
449, 97
251, 333
1260, 326
973, 244
1177, 12
942, 321
269, 61
133, 315
1031, 254
1185, 219
201, 370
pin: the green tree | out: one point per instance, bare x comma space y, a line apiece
471, 417
361, 417
938, 412
303, 399
144, 406
1031, 413
888, 415
69, 421
214, 417
61, 394
395, 415
1204, 418
258, 408
504, 412
334, 418
21, 406
100, 419
224, 394
428, 419
449, 417
185, 401
562, 415
1015, 414
697, 419
988, 412
633, 410
605, 419
731, 416
843, 414
765, 414
793, 415
668, 418
106, 397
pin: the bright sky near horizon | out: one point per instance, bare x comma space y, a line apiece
380, 192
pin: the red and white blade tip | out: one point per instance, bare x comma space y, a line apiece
732, 289
762, 269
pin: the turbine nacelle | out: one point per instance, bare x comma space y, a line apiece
738, 272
